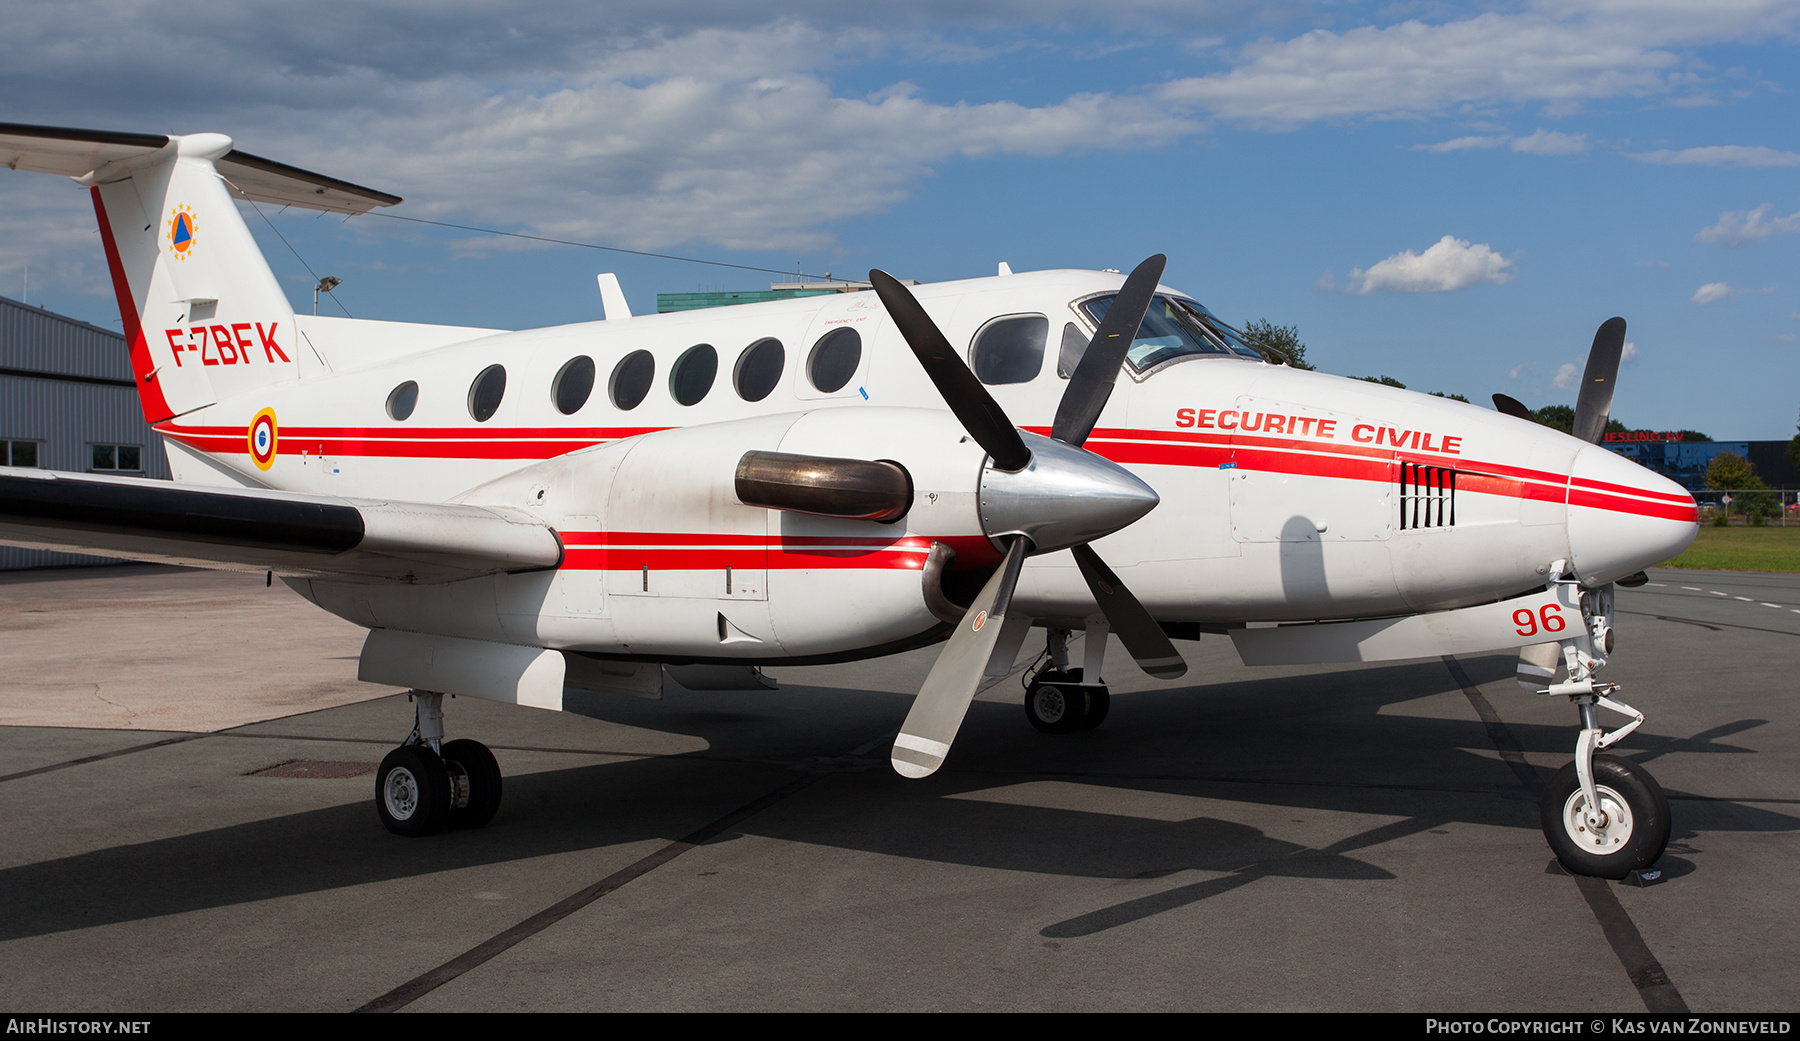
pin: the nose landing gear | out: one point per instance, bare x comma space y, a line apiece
1602, 815
427, 784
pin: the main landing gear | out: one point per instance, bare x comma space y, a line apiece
1603, 815
429, 783
1057, 701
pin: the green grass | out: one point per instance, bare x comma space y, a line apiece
1743, 548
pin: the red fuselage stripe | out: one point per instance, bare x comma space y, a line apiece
1302, 457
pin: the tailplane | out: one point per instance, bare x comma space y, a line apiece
202, 312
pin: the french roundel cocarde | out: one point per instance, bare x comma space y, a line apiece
263, 439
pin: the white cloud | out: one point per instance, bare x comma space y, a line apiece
1711, 291
1517, 372
747, 154
1459, 144
1449, 264
1549, 142
1630, 353
1555, 53
1567, 377
1720, 155
1740, 227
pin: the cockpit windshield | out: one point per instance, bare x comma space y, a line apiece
1174, 328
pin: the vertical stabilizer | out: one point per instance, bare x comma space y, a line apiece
202, 311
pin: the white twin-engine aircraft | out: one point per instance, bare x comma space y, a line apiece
519, 515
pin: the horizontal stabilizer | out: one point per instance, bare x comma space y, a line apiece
242, 529
108, 155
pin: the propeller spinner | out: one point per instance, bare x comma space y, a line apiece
1038, 495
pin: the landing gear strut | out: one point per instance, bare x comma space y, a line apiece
426, 783
1057, 700
1603, 815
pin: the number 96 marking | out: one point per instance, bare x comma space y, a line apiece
1551, 617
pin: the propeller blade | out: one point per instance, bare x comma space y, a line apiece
937, 713
1513, 407
1148, 644
1595, 402
974, 407
1092, 382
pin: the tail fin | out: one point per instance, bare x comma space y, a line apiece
202, 312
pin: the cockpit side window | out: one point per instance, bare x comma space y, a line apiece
1011, 349
1074, 345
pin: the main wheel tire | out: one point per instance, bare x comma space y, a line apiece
1054, 703
1635, 829
412, 791
1099, 701
483, 773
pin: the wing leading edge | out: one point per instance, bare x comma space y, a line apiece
257, 530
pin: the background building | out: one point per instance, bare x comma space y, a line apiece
67, 402
1685, 462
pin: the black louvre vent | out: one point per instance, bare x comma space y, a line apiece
1427, 496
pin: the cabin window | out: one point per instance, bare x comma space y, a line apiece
573, 383
1010, 350
1427, 496
403, 400
1074, 345
631, 380
759, 369
693, 373
485, 393
834, 360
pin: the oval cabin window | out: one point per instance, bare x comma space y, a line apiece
759, 369
403, 400
485, 393
693, 374
834, 360
572, 385
631, 380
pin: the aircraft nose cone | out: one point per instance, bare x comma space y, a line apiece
1623, 518
1064, 497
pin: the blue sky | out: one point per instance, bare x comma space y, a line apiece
1452, 194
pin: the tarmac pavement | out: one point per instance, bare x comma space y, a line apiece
1322, 838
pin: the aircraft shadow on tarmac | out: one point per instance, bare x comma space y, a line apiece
1218, 743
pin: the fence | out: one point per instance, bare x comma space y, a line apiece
1774, 506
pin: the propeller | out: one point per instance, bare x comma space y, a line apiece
1594, 403
1513, 407
1041, 494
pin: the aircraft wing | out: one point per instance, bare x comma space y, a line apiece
242, 529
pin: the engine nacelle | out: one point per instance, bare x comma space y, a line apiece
661, 560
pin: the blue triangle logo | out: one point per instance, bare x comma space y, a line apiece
182, 234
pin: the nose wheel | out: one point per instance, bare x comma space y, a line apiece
1625, 829
428, 783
